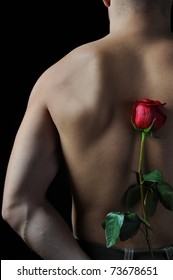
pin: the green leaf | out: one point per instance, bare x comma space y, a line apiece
130, 226
154, 176
113, 224
132, 196
165, 195
151, 201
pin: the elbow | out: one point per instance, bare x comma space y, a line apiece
6, 213
9, 216
14, 216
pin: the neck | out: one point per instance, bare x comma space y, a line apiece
139, 20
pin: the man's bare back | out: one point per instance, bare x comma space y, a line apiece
98, 142
80, 111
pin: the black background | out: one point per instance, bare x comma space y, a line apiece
33, 38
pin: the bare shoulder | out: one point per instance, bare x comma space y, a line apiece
72, 84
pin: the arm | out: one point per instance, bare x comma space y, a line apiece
33, 164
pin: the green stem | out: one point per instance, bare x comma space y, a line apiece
147, 236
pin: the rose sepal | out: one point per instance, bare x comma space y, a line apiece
147, 130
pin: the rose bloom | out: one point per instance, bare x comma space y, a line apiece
145, 112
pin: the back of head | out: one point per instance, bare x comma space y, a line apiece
144, 5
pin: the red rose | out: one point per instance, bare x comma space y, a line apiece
145, 112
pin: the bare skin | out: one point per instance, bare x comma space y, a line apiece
80, 109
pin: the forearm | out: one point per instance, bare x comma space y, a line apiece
47, 234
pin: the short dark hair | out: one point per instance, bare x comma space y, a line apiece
145, 5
